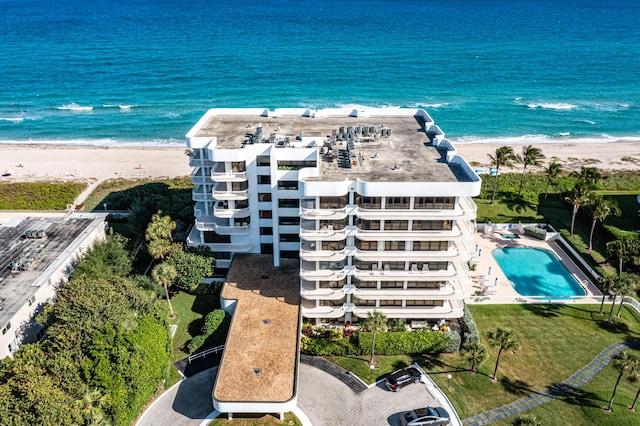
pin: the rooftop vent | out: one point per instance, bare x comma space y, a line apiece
257, 371
266, 321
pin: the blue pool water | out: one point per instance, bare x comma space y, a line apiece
537, 272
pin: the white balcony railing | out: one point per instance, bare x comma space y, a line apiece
229, 176
229, 195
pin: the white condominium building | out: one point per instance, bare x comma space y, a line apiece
375, 203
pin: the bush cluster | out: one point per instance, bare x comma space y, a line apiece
334, 342
213, 332
39, 195
470, 333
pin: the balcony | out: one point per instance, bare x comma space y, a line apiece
321, 293
450, 309
233, 230
230, 195
229, 176
452, 290
199, 194
456, 273
198, 179
327, 214
225, 213
323, 311
465, 209
309, 253
310, 272
196, 159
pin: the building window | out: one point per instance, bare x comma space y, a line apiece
424, 284
288, 185
394, 266
265, 214
289, 254
369, 203
397, 203
241, 204
242, 221
384, 303
424, 303
289, 238
264, 179
239, 186
394, 245
31, 300
213, 238
396, 225
222, 255
368, 225
266, 230
430, 245
333, 202
266, 248
263, 160
365, 265
334, 303
332, 284
289, 220
295, 164
392, 284
238, 167
431, 225
366, 245
264, 196
6, 328
288, 203
333, 245
364, 284
434, 203
362, 302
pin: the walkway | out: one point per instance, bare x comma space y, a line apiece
580, 377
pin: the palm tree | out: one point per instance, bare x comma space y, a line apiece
629, 286
160, 227
579, 196
602, 208
376, 322
588, 175
621, 249
552, 171
616, 285
164, 274
606, 283
622, 362
159, 248
91, 403
475, 354
504, 156
634, 372
503, 339
531, 156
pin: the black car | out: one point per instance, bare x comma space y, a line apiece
401, 378
429, 416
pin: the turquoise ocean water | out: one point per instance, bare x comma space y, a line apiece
115, 72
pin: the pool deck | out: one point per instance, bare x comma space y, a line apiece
501, 290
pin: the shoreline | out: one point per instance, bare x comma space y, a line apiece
32, 161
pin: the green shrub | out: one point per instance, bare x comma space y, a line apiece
195, 343
470, 333
453, 342
324, 347
397, 343
39, 195
212, 321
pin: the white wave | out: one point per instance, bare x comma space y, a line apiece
543, 139
110, 106
435, 105
587, 121
96, 142
74, 107
564, 133
548, 105
125, 107
12, 119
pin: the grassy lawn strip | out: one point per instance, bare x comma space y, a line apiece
584, 406
555, 342
359, 365
39, 195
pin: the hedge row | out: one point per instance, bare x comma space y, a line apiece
389, 343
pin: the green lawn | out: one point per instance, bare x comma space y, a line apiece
191, 310
555, 342
359, 365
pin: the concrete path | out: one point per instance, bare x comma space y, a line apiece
186, 403
577, 380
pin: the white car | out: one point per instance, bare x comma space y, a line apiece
429, 416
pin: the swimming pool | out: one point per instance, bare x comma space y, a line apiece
537, 272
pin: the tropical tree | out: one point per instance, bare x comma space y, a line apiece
628, 286
552, 171
376, 322
602, 208
504, 156
606, 283
578, 197
159, 248
634, 372
160, 227
164, 274
588, 175
475, 353
531, 156
502, 339
622, 249
92, 402
623, 362
192, 268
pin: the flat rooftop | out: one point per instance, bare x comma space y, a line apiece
399, 149
261, 353
23, 261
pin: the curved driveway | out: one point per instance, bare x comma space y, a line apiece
323, 398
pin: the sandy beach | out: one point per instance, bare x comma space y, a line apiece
95, 164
